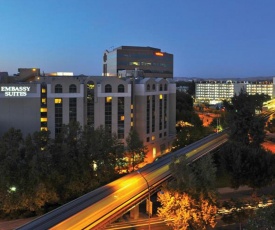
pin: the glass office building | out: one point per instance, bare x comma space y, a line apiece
151, 61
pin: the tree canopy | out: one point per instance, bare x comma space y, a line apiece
38, 172
189, 201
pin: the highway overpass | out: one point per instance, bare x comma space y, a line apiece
98, 208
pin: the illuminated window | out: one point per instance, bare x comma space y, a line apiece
44, 129
43, 90
132, 115
43, 100
153, 138
154, 152
57, 101
90, 85
132, 124
108, 99
43, 119
132, 106
160, 96
134, 63
159, 54
43, 110
122, 118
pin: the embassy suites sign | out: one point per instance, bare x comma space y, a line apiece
15, 91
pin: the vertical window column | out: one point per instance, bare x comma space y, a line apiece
120, 117
165, 111
72, 109
148, 115
160, 111
58, 115
43, 108
153, 112
108, 113
90, 104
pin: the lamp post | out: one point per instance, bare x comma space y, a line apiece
149, 201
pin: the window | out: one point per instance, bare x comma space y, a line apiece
90, 103
108, 88
108, 113
148, 115
153, 112
72, 109
148, 87
160, 87
154, 87
58, 88
120, 117
165, 111
58, 115
160, 112
165, 87
72, 88
43, 107
120, 88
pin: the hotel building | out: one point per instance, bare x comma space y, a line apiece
47, 102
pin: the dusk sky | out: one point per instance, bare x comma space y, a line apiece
208, 38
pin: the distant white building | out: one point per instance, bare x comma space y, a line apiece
214, 92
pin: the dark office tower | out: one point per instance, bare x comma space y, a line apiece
150, 61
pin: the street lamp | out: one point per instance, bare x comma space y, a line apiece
149, 201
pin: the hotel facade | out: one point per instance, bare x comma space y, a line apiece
48, 102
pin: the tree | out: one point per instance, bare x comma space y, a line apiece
12, 167
181, 211
184, 102
271, 125
238, 211
263, 218
196, 178
245, 126
136, 151
190, 199
247, 165
38, 190
107, 153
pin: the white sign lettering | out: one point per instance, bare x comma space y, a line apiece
15, 91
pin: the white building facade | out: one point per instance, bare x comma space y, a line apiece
214, 92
